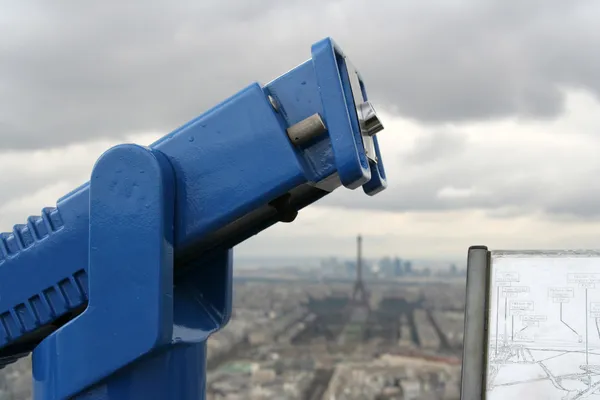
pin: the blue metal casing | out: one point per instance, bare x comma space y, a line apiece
118, 287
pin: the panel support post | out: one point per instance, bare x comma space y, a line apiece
474, 340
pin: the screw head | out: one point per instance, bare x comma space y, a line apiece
273, 103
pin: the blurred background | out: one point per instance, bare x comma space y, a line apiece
492, 118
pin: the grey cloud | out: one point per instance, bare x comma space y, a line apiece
576, 194
504, 183
75, 71
19, 186
15, 188
422, 194
504, 200
436, 146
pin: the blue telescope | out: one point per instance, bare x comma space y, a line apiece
117, 288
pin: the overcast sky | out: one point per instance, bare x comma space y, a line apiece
491, 109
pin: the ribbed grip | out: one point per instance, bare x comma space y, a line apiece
44, 307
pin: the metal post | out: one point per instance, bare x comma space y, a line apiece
475, 333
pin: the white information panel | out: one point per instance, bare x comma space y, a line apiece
543, 326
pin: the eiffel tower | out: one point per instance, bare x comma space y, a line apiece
359, 293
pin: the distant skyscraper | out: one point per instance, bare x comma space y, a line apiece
398, 270
453, 269
350, 268
408, 268
386, 267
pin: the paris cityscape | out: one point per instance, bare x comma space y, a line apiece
343, 329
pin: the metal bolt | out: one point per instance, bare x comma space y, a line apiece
306, 129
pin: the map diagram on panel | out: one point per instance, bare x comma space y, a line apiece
544, 328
